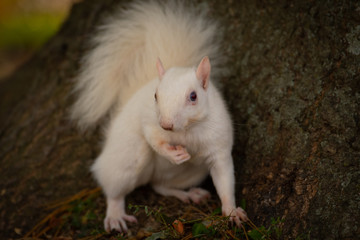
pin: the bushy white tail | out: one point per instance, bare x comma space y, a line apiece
126, 48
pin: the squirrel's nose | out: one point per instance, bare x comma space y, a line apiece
167, 125
168, 128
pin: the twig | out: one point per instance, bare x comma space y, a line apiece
83, 193
61, 207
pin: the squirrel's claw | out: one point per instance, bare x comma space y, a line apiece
237, 215
118, 224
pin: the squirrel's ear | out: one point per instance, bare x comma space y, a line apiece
160, 68
203, 72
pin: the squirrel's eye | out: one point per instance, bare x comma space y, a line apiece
155, 97
193, 96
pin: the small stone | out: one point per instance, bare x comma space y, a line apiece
18, 231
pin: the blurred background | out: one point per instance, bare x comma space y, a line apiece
24, 26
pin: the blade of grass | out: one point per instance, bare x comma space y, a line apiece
187, 237
93, 237
232, 235
255, 227
245, 233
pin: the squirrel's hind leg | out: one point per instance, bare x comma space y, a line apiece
119, 170
196, 195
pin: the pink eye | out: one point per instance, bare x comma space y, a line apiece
193, 96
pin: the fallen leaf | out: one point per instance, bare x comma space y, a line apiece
179, 226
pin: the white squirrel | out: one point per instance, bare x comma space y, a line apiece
168, 128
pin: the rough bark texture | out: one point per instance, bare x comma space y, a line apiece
293, 90
295, 87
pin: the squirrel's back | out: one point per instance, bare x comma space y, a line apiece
127, 45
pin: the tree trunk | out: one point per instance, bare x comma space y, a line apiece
293, 90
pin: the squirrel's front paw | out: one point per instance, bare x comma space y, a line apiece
236, 215
178, 154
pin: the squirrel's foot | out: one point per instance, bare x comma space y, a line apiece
178, 154
118, 223
115, 215
237, 215
198, 195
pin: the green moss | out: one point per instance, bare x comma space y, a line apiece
28, 31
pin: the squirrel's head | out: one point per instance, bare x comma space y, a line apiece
182, 95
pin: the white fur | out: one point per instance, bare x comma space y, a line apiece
127, 46
120, 72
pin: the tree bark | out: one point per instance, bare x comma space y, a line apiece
293, 91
